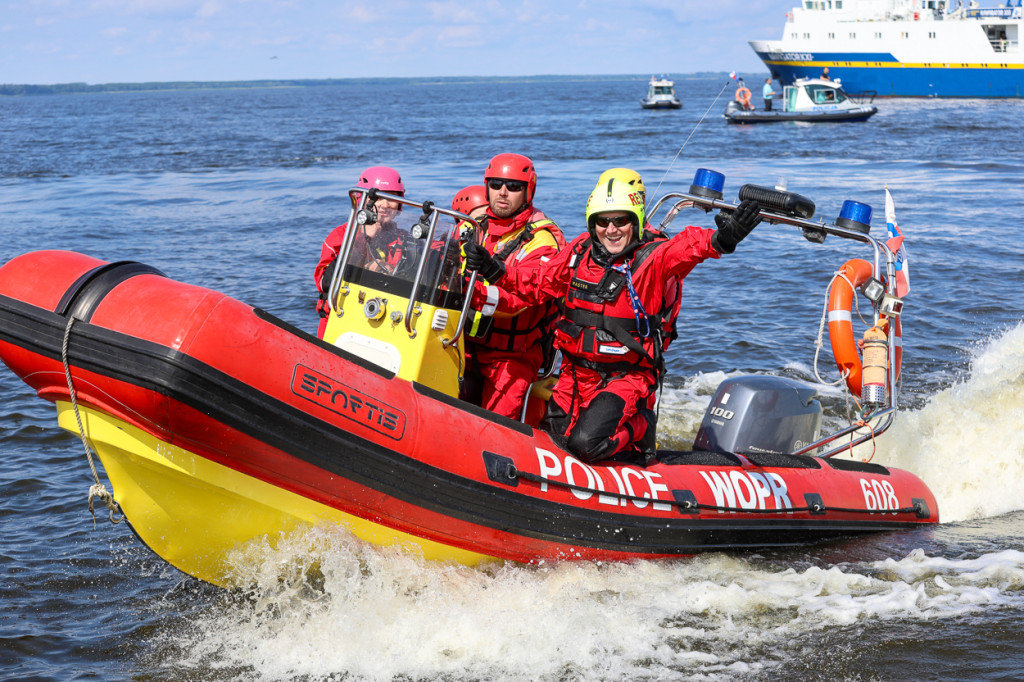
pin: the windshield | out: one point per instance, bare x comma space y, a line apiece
822, 94
394, 243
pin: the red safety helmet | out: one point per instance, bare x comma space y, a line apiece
470, 198
513, 167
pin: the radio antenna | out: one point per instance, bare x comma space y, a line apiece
667, 170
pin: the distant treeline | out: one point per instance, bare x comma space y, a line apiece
78, 88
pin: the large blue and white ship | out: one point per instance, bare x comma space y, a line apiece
903, 48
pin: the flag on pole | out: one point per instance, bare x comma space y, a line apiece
732, 75
895, 244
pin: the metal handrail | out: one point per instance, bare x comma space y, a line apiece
429, 208
880, 253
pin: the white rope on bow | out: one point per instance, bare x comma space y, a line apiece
97, 489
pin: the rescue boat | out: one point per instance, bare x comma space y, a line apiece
218, 424
808, 99
661, 94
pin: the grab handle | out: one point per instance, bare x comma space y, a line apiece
790, 203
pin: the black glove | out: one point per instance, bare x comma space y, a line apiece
477, 258
326, 277
733, 226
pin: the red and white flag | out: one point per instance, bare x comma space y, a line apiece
896, 245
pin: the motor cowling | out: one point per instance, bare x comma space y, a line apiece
755, 414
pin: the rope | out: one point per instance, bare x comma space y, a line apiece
96, 490
862, 423
697, 125
819, 342
874, 444
512, 472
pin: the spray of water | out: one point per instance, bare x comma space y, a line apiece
381, 614
324, 605
967, 443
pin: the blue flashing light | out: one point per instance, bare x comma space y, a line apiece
856, 211
709, 179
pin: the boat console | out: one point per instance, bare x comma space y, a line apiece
405, 314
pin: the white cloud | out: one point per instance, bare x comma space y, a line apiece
450, 13
144, 7
197, 37
208, 9
462, 36
354, 38
361, 14
278, 40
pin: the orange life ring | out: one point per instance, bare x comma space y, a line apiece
840, 324
743, 96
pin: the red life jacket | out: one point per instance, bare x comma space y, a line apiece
673, 296
599, 328
519, 332
387, 249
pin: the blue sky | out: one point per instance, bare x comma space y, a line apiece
105, 41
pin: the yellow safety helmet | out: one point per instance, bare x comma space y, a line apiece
626, 175
615, 195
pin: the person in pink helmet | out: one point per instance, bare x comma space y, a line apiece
378, 247
506, 351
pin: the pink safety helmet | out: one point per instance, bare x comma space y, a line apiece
513, 167
383, 178
470, 198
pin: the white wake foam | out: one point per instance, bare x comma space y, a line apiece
381, 613
967, 442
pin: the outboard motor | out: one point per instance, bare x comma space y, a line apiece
757, 414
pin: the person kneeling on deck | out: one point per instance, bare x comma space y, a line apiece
610, 282
673, 286
505, 352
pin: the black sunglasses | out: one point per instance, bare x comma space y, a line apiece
617, 221
513, 185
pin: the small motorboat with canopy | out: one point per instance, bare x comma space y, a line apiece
661, 94
808, 99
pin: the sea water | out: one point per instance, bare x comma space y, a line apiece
235, 190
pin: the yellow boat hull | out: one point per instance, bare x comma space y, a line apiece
195, 513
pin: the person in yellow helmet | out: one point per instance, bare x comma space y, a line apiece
634, 180
610, 283
628, 176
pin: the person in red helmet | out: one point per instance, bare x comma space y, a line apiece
378, 246
610, 282
506, 351
471, 200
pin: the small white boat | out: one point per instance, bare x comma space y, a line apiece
809, 99
661, 94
